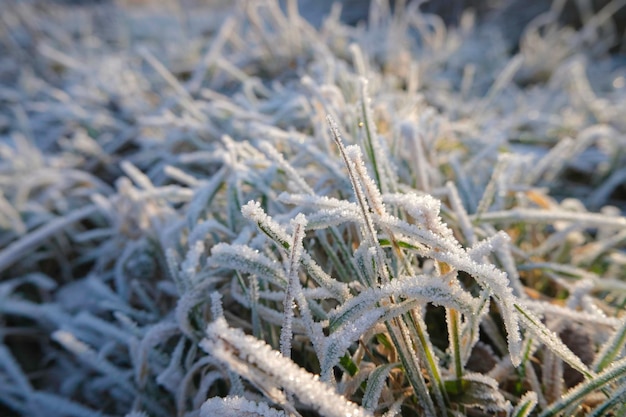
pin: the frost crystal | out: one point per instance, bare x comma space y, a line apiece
261, 363
237, 407
396, 212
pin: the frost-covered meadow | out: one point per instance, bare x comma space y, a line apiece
223, 210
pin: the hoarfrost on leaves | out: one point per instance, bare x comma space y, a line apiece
261, 364
233, 212
237, 406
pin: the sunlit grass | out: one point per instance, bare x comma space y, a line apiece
254, 217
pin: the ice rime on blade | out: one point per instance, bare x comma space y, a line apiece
265, 367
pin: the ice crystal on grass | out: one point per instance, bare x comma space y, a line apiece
237, 407
267, 369
293, 283
243, 214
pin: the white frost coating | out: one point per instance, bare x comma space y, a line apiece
355, 155
488, 276
236, 406
464, 222
12, 253
293, 284
369, 231
526, 405
375, 385
483, 392
504, 161
138, 177
503, 251
249, 88
338, 289
551, 340
203, 194
153, 337
446, 249
68, 340
172, 261
395, 408
313, 329
413, 140
202, 229
532, 216
253, 211
245, 259
425, 210
499, 244
316, 201
325, 218
610, 348
554, 310
254, 357
293, 175
216, 305
435, 290
171, 377
487, 246
615, 371
374, 146
339, 341
190, 265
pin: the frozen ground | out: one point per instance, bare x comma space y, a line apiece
214, 208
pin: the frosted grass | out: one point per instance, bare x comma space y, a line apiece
241, 214
262, 365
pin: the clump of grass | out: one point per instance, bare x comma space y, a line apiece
270, 219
